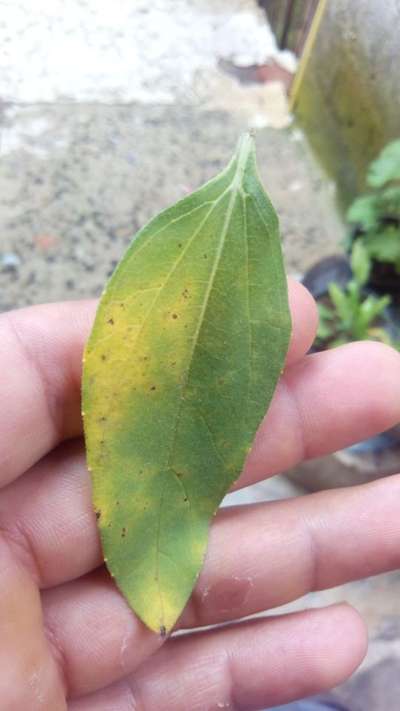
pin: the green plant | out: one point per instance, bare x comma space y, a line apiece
351, 315
376, 215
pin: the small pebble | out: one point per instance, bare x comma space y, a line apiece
10, 261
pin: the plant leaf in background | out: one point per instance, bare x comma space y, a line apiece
370, 211
386, 167
360, 263
364, 211
188, 344
384, 245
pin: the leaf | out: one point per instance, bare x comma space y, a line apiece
384, 245
341, 302
386, 167
363, 211
368, 312
360, 263
188, 344
389, 203
325, 328
325, 312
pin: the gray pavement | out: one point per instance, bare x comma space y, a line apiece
78, 180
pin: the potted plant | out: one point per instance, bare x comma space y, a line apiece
348, 313
358, 297
375, 220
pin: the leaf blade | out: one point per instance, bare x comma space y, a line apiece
201, 297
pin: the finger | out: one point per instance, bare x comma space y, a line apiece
29, 677
304, 321
41, 354
99, 640
266, 555
327, 401
40, 362
48, 519
247, 666
258, 557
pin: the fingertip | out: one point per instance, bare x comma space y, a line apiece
304, 320
350, 636
376, 366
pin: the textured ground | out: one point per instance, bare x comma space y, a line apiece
78, 180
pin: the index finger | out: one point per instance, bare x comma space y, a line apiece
40, 372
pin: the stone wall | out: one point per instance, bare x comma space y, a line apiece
349, 98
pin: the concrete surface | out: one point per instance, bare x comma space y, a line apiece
87, 160
77, 181
128, 50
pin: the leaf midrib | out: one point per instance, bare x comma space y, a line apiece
236, 188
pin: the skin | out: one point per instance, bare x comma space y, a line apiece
68, 639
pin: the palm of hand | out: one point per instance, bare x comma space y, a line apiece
69, 641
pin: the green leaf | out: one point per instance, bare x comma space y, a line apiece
326, 327
363, 211
369, 311
324, 331
388, 205
379, 334
360, 263
386, 167
384, 245
325, 312
189, 341
341, 302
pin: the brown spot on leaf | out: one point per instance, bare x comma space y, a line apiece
103, 357
153, 387
98, 514
174, 315
163, 631
111, 321
123, 532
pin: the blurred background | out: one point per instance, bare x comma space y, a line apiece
109, 112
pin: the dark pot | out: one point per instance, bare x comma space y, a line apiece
330, 269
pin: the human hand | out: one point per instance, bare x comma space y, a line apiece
67, 633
